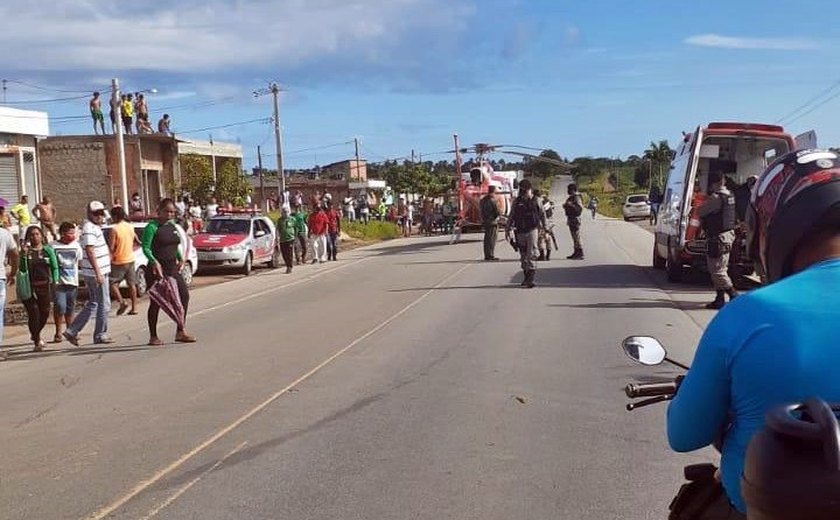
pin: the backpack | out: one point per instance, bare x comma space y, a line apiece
572, 207
525, 215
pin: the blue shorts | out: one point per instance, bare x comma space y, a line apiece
64, 298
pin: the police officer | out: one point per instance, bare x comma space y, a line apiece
717, 216
490, 220
542, 238
526, 218
573, 207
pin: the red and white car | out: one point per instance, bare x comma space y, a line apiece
238, 239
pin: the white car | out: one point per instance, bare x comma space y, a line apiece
636, 206
188, 251
238, 239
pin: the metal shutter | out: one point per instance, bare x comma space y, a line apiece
9, 182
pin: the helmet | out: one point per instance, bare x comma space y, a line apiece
796, 194
792, 465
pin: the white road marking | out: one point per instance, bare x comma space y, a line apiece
145, 484
192, 482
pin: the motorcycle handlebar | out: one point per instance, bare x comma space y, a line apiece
634, 390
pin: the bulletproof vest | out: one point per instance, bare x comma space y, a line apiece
526, 215
722, 220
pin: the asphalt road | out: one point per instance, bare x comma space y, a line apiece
408, 380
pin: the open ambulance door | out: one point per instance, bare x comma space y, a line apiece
807, 140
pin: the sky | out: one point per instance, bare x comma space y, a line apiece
594, 77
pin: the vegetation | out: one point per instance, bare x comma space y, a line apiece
373, 231
197, 180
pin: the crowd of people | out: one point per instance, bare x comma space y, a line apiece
48, 263
131, 111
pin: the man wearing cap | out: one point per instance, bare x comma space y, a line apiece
95, 268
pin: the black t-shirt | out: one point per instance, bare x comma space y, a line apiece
39, 266
165, 244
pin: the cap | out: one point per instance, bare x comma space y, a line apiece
95, 206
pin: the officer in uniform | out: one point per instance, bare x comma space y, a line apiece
717, 216
490, 220
526, 218
574, 208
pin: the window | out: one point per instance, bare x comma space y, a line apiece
635, 199
228, 226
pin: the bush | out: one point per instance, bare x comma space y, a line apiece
373, 230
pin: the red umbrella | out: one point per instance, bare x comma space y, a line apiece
165, 293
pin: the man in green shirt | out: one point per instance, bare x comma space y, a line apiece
287, 227
299, 217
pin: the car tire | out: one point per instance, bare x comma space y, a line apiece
187, 274
626, 219
659, 263
246, 267
141, 281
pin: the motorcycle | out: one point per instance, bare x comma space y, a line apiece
703, 488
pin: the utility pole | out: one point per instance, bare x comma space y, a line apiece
115, 103
262, 181
412, 156
213, 160
278, 142
4, 91
358, 161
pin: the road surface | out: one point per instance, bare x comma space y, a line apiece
408, 380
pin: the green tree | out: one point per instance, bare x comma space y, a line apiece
231, 185
660, 155
197, 176
544, 169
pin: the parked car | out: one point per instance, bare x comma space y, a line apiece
739, 150
188, 251
238, 239
636, 206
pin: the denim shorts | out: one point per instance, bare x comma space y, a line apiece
64, 297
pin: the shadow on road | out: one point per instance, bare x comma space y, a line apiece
421, 247
636, 303
83, 351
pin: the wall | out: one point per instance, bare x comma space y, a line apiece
73, 172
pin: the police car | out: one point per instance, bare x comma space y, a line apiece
239, 239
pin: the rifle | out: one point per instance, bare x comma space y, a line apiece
549, 230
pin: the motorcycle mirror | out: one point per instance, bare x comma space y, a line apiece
644, 349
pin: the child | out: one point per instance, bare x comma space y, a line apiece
69, 253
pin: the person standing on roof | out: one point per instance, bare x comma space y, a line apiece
717, 216
164, 125
127, 111
95, 106
526, 218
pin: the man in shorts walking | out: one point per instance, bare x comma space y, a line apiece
122, 242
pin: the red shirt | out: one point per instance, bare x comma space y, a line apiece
333, 225
319, 223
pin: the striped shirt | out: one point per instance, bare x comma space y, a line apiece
92, 235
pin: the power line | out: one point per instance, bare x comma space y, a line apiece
50, 89
815, 107
322, 147
44, 101
198, 104
263, 120
808, 103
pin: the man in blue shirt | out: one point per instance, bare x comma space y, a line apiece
778, 344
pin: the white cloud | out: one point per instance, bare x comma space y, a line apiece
209, 36
734, 42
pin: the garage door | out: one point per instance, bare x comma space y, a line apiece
9, 187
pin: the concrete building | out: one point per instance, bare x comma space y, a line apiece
350, 170
78, 169
20, 132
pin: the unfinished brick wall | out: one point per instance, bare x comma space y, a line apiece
73, 173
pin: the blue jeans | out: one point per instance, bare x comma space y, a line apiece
98, 305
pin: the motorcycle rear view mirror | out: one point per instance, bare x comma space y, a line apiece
648, 351
645, 350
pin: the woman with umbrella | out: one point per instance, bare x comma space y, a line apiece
168, 291
40, 266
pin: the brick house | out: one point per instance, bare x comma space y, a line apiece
78, 169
